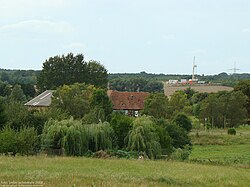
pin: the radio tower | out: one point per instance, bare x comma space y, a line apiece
234, 69
194, 66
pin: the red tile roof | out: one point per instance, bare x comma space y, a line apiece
127, 100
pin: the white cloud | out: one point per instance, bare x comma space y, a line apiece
75, 47
169, 37
14, 8
36, 27
198, 52
246, 30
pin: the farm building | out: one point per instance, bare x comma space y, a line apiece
129, 102
41, 101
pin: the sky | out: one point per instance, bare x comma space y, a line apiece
128, 36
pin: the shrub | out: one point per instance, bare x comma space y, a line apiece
27, 141
181, 154
8, 141
23, 142
183, 121
179, 135
231, 131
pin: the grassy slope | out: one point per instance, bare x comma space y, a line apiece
213, 146
219, 147
66, 171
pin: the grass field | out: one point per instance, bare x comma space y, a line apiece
216, 146
217, 159
66, 171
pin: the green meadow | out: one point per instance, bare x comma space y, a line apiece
217, 159
69, 171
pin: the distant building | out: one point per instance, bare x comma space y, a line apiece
128, 102
41, 101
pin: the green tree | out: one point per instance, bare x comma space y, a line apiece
69, 69
73, 99
156, 105
97, 74
177, 102
244, 86
210, 110
100, 102
179, 136
143, 138
3, 118
122, 125
8, 141
224, 109
100, 136
17, 94
27, 141
5, 89
183, 121
153, 87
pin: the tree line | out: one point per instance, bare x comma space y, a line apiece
81, 121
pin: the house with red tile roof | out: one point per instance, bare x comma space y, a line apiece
129, 102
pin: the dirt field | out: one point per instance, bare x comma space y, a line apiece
170, 89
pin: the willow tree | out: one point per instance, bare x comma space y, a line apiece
68, 135
75, 140
100, 136
143, 138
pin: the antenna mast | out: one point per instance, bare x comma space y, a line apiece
194, 66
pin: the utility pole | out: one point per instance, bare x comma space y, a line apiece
234, 69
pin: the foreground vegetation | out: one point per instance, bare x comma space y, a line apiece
217, 147
217, 159
67, 171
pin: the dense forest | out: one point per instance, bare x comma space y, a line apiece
81, 121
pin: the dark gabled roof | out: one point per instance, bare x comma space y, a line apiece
127, 100
42, 100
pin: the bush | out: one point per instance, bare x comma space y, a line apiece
27, 141
231, 131
8, 141
179, 136
183, 121
181, 154
23, 142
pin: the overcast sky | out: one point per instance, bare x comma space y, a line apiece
157, 36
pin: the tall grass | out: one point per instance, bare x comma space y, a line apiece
67, 171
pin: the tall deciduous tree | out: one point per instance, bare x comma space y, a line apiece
73, 99
101, 101
178, 101
97, 74
156, 105
224, 109
3, 118
17, 94
69, 69
244, 86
